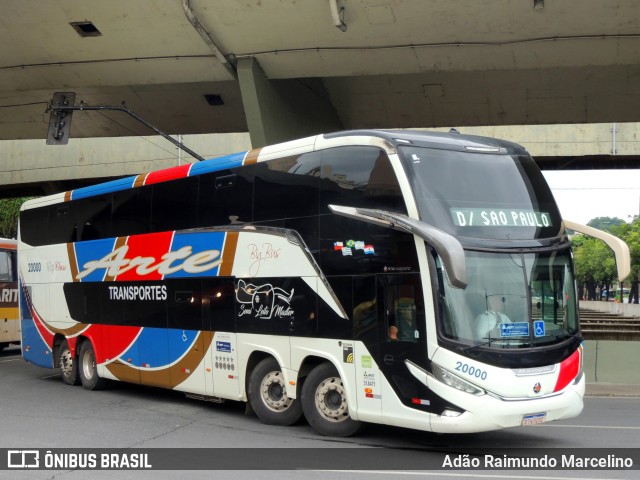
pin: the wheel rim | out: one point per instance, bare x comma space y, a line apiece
66, 362
331, 400
88, 365
273, 392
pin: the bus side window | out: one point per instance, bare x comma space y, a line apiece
5, 265
403, 308
287, 187
225, 197
359, 177
218, 298
174, 204
131, 212
94, 217
34, 226
62, 223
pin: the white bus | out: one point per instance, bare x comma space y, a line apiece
9, 318
344, 277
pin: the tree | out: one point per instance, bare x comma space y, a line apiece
605, 223
9, 213
630, 233
594, 263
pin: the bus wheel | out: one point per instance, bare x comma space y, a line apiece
324, 403
268, 395
87, 368
68, 366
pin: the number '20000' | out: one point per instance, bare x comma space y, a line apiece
471, 370
34, 267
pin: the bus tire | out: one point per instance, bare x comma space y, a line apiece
67, 364
268, 395
87, 370
324, 403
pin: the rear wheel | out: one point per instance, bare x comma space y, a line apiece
324, 403
87, 368
68, 365
268, 395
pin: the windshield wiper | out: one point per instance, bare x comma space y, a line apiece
469, 348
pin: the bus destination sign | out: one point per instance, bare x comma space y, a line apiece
499, 217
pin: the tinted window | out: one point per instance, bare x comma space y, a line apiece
331, 325
287, 187
184, 304
482, 195
94, 217
62, 223
309, 230
218, 298
131, 212
350, 246
225, 197
359, 177
175, 205
34, 226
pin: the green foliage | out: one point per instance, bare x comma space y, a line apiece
606, 223
9, 213
595, 263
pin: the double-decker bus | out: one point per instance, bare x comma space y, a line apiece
9, 318
346, 278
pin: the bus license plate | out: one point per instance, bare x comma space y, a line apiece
534, 419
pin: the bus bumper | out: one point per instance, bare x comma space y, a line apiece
486, 412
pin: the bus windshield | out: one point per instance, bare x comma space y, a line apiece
513, 300
480, 195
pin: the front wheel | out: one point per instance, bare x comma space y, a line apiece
324, 403
87, 368
268, 395
68, 365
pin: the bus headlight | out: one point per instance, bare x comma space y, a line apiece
448, 378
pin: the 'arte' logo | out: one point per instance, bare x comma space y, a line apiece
184, 259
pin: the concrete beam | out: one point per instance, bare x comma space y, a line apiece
282, 110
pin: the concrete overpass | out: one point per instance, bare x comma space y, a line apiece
30, 167
287, 68
281, 69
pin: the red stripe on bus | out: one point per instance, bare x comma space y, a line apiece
152, 246
569, 369
172, 173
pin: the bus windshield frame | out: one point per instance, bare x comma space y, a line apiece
481, 197
513, 300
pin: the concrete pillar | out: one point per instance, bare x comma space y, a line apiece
281, 110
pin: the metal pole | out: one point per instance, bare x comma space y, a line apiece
58, 108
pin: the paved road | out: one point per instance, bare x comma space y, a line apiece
39, 411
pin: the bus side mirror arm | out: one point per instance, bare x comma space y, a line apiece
620, 248
448, 247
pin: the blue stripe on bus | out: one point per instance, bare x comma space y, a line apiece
212, 165
93, 250
215, 164
198, 242
159, 347
39, 352
102, 188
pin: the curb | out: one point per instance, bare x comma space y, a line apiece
612, 390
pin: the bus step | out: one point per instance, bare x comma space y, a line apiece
205, 398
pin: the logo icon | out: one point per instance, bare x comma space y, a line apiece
23, 459
537, 387
347, 354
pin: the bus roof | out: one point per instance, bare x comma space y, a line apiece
388, 140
